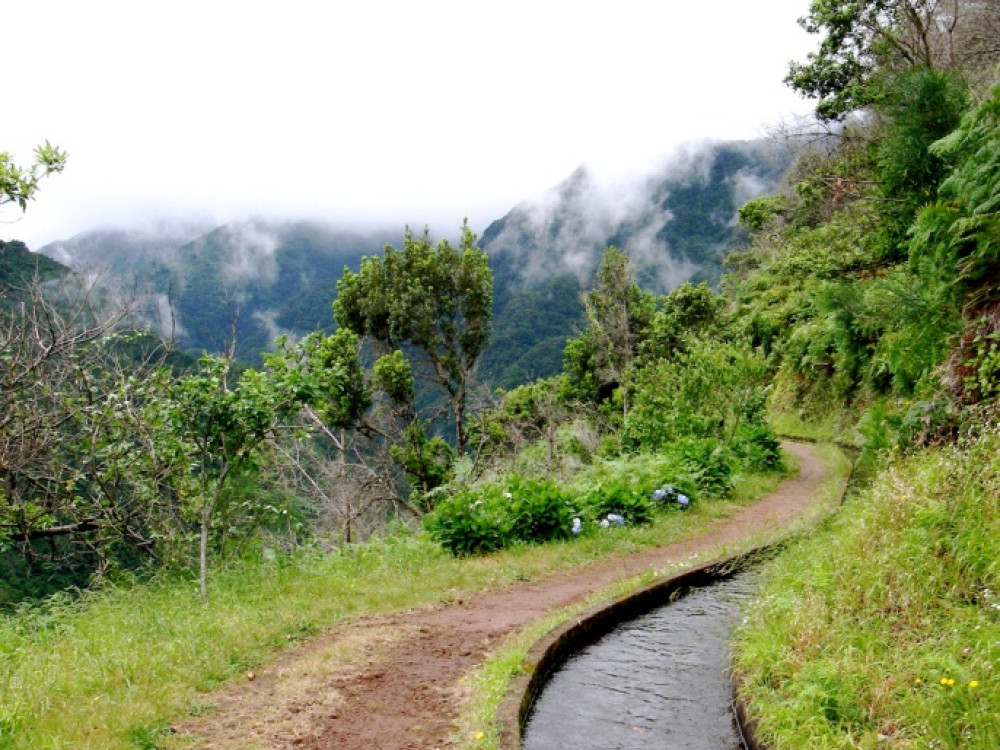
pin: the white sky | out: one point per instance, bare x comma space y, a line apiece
370, 111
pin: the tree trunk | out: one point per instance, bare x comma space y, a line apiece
458, 404
203, 557
206, 517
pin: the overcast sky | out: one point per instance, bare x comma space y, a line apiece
370, 111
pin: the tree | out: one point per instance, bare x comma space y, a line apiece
69, 472
860, 37
708, 391
18, 185
211, 430
617, 311
436, 298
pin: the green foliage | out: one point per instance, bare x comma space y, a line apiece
838, 73
921, 106
758, 213
706, 391
209, 431
598, 361
471, 522
756, 447
495, 516
707, 464
967, 221
686, 312
427, 460
18, 185
919, 312
436, 297
620, 496
394, 377
326, 373
861, 41
541, 510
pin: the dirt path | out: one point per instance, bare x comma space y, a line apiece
402, 686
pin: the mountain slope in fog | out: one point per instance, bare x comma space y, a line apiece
676, 224
263, 279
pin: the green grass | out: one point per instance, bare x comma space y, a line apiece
883, 630
114, 667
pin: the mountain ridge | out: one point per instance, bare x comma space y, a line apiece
261, 279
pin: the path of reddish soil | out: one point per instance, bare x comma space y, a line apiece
403, 689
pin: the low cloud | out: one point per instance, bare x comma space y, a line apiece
565, 230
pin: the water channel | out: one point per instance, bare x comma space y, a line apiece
658, 681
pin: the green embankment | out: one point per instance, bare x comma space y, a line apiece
882, 630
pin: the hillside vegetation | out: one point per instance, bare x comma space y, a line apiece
871, 287
864, 307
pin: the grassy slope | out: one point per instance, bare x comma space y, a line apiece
883, 630
114, 667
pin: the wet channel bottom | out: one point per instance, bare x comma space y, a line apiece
658, 681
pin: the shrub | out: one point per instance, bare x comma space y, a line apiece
494, 516
618, 496
756, 447
539, 511
470, 522
707, 463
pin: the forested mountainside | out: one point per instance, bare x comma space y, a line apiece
256, 280
676, 224
264, 279
18, 266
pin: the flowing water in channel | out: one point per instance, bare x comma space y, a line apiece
658, 681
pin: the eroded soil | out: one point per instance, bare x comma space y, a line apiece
394, 681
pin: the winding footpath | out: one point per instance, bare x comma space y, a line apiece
402, 688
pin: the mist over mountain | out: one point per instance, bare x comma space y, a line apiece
252, 281
676, 224
256, 280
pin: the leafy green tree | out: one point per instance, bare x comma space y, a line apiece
325, 374
707, 391
598, 361
426, 459
437, 298
917, 107
861, 36
212, 430
19, 184
687, 311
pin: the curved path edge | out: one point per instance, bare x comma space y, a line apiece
553, 649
